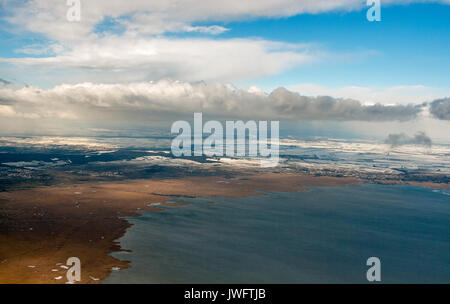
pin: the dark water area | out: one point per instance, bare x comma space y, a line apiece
324, 235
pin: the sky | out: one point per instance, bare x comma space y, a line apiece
127, 59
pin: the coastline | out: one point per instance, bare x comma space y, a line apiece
44, 226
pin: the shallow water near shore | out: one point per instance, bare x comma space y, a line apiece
324, 235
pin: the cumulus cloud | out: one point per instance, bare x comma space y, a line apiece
400, 139
130, 103
440, 109
136, 59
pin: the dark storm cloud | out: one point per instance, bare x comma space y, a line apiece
4, 82
295, 106
419, 138
440, 109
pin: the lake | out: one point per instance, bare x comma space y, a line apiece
324, 235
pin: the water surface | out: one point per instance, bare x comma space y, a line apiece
324, 235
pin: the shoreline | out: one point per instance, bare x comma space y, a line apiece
42, 227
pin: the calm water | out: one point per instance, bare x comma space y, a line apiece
320, 236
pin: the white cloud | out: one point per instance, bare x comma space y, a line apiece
9, 111
213, 29
135, 59
41, 49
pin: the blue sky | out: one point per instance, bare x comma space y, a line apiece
410, 46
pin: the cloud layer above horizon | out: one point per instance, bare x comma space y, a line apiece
119, 102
